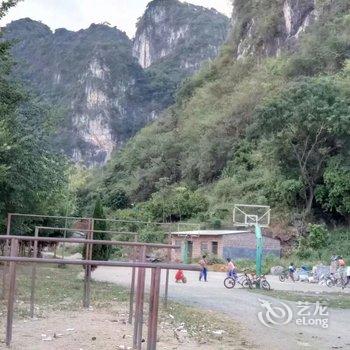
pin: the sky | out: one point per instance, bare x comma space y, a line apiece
79, 14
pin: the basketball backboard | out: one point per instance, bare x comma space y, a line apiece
251, 215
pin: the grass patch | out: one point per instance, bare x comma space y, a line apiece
333, 300
61, 289
204, 326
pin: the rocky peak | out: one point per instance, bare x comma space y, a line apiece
168, 26
265, 27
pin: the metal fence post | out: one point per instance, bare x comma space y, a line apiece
12, 289
32, 287
89, 266
87, 275
132, 288
6, 250
167, 280
153, 309
138, 319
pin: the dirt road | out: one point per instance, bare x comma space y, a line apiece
244, 306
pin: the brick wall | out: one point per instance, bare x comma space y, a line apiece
243, 245
247, 240
197, 244
239, 245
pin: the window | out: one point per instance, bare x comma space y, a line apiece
204, 247
214, 248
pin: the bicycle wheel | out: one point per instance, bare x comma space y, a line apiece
229, 282
265, 285
247, 284
329, 282
282, 277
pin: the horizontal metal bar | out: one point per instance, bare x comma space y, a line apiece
82, 230
252, 206
93, 241
165, 266
109, 220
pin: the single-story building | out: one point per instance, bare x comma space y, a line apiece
234, 244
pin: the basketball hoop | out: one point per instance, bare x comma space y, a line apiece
253, 215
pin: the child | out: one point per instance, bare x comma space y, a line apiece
231, 268
347, 277
291, 270
204, 270
180, 277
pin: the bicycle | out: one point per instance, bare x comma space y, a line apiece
285, 276
243, 280
335, 280
260, 281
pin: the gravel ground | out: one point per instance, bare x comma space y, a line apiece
244, 306
93, 330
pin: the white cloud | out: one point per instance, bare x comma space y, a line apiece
78, 14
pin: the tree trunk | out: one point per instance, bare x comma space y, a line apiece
309, 201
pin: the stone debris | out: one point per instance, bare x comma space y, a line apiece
180, 333
45, 337
218, 334
303, 344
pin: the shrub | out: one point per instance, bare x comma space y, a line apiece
318, 237
152, 234
214, 259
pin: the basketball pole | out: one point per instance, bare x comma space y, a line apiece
259, 248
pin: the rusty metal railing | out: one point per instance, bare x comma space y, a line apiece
156, 268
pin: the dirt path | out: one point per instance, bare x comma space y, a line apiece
243, 306
97, 330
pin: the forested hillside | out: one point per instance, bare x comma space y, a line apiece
268, 122
33, 177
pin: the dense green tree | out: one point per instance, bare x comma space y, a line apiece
334, 193
99, 251
307, 124
32, 177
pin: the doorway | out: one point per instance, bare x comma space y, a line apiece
189, 251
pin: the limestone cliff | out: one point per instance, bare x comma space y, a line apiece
266, 27
173, 40
90, 77
170, 28
94, 81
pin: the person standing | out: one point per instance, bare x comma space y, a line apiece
291, 270
231, 268
204, 269
347, 281
334, 265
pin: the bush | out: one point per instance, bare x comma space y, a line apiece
318, 237
216, 224
214, 259
152, 234
175, 203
